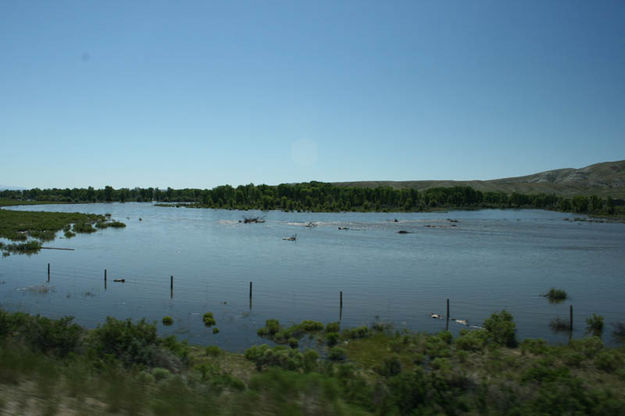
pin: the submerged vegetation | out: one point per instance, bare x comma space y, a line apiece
556, 295
32, 228
123, 367
319, 196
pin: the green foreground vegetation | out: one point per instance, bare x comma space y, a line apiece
319, 196
122, 367
29, 229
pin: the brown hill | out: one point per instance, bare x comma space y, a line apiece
602, 179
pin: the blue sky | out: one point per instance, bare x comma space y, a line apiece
198, 94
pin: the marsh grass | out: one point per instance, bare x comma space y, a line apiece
559, 325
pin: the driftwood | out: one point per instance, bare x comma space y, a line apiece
120, 280
252, 220
57, 248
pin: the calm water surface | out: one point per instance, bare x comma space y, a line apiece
489, 261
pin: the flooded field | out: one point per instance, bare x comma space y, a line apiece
483, 261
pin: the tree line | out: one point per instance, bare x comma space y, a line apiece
326, 197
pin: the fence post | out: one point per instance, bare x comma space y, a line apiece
48, 272
104, 279
447, 317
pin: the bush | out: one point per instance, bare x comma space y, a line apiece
555, 295
594, 324
131, 343
355, 333
83, 227
534, 346
501, 329
390, 367
213, 351
280, 356
59, 337
272, 326
336, 354
471, 340
215, 330
208, 319
609, 361
559, 324
168, 320
333, 327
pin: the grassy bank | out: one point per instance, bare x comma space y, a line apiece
122, 367
29, 229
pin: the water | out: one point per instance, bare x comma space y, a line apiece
490, 260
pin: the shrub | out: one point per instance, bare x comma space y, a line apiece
160, 373
280, 356
213, 350
588, 346
272, 326
332, 339
609, 360
501, 329
131, 343
355, 333
215, 330
293, 343
168, 320
208, 319
336, 354
594, 324
558, 324
310, 326
390, 367
59, 337
534, 346
555, 295
333, 327
471, 340
83, 227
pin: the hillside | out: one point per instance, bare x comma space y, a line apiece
602, 179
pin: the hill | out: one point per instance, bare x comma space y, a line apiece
601, 179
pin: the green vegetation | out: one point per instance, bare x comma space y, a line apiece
43, 226
123, 367
594, 325
168, 320
275, 332
209, 319
555, 295
319, 196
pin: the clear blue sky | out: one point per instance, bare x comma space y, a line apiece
198, 94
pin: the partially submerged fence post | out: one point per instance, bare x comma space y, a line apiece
104, 279
48, 272
250, 296
447, 317
571, 318
171, 286
340, 305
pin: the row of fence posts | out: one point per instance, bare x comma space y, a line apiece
171, 295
